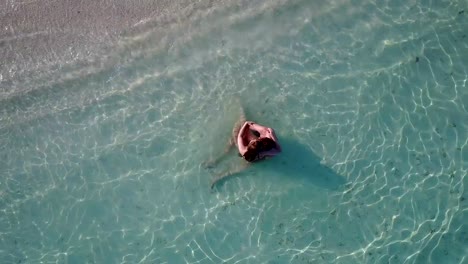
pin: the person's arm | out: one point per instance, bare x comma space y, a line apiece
240, 139
272, 135
266, 132
262, 130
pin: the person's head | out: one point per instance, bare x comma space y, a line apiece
252, 151
266, 144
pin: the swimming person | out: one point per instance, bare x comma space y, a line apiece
254, 143
264, 144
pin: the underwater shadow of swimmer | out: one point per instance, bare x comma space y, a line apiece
296, 160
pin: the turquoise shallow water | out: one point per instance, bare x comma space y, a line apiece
101, 154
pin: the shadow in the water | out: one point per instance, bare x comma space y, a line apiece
299, 161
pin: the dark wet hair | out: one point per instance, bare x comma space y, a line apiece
266, 144
253, 151
256, 146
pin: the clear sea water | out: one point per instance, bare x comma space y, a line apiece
103, 132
